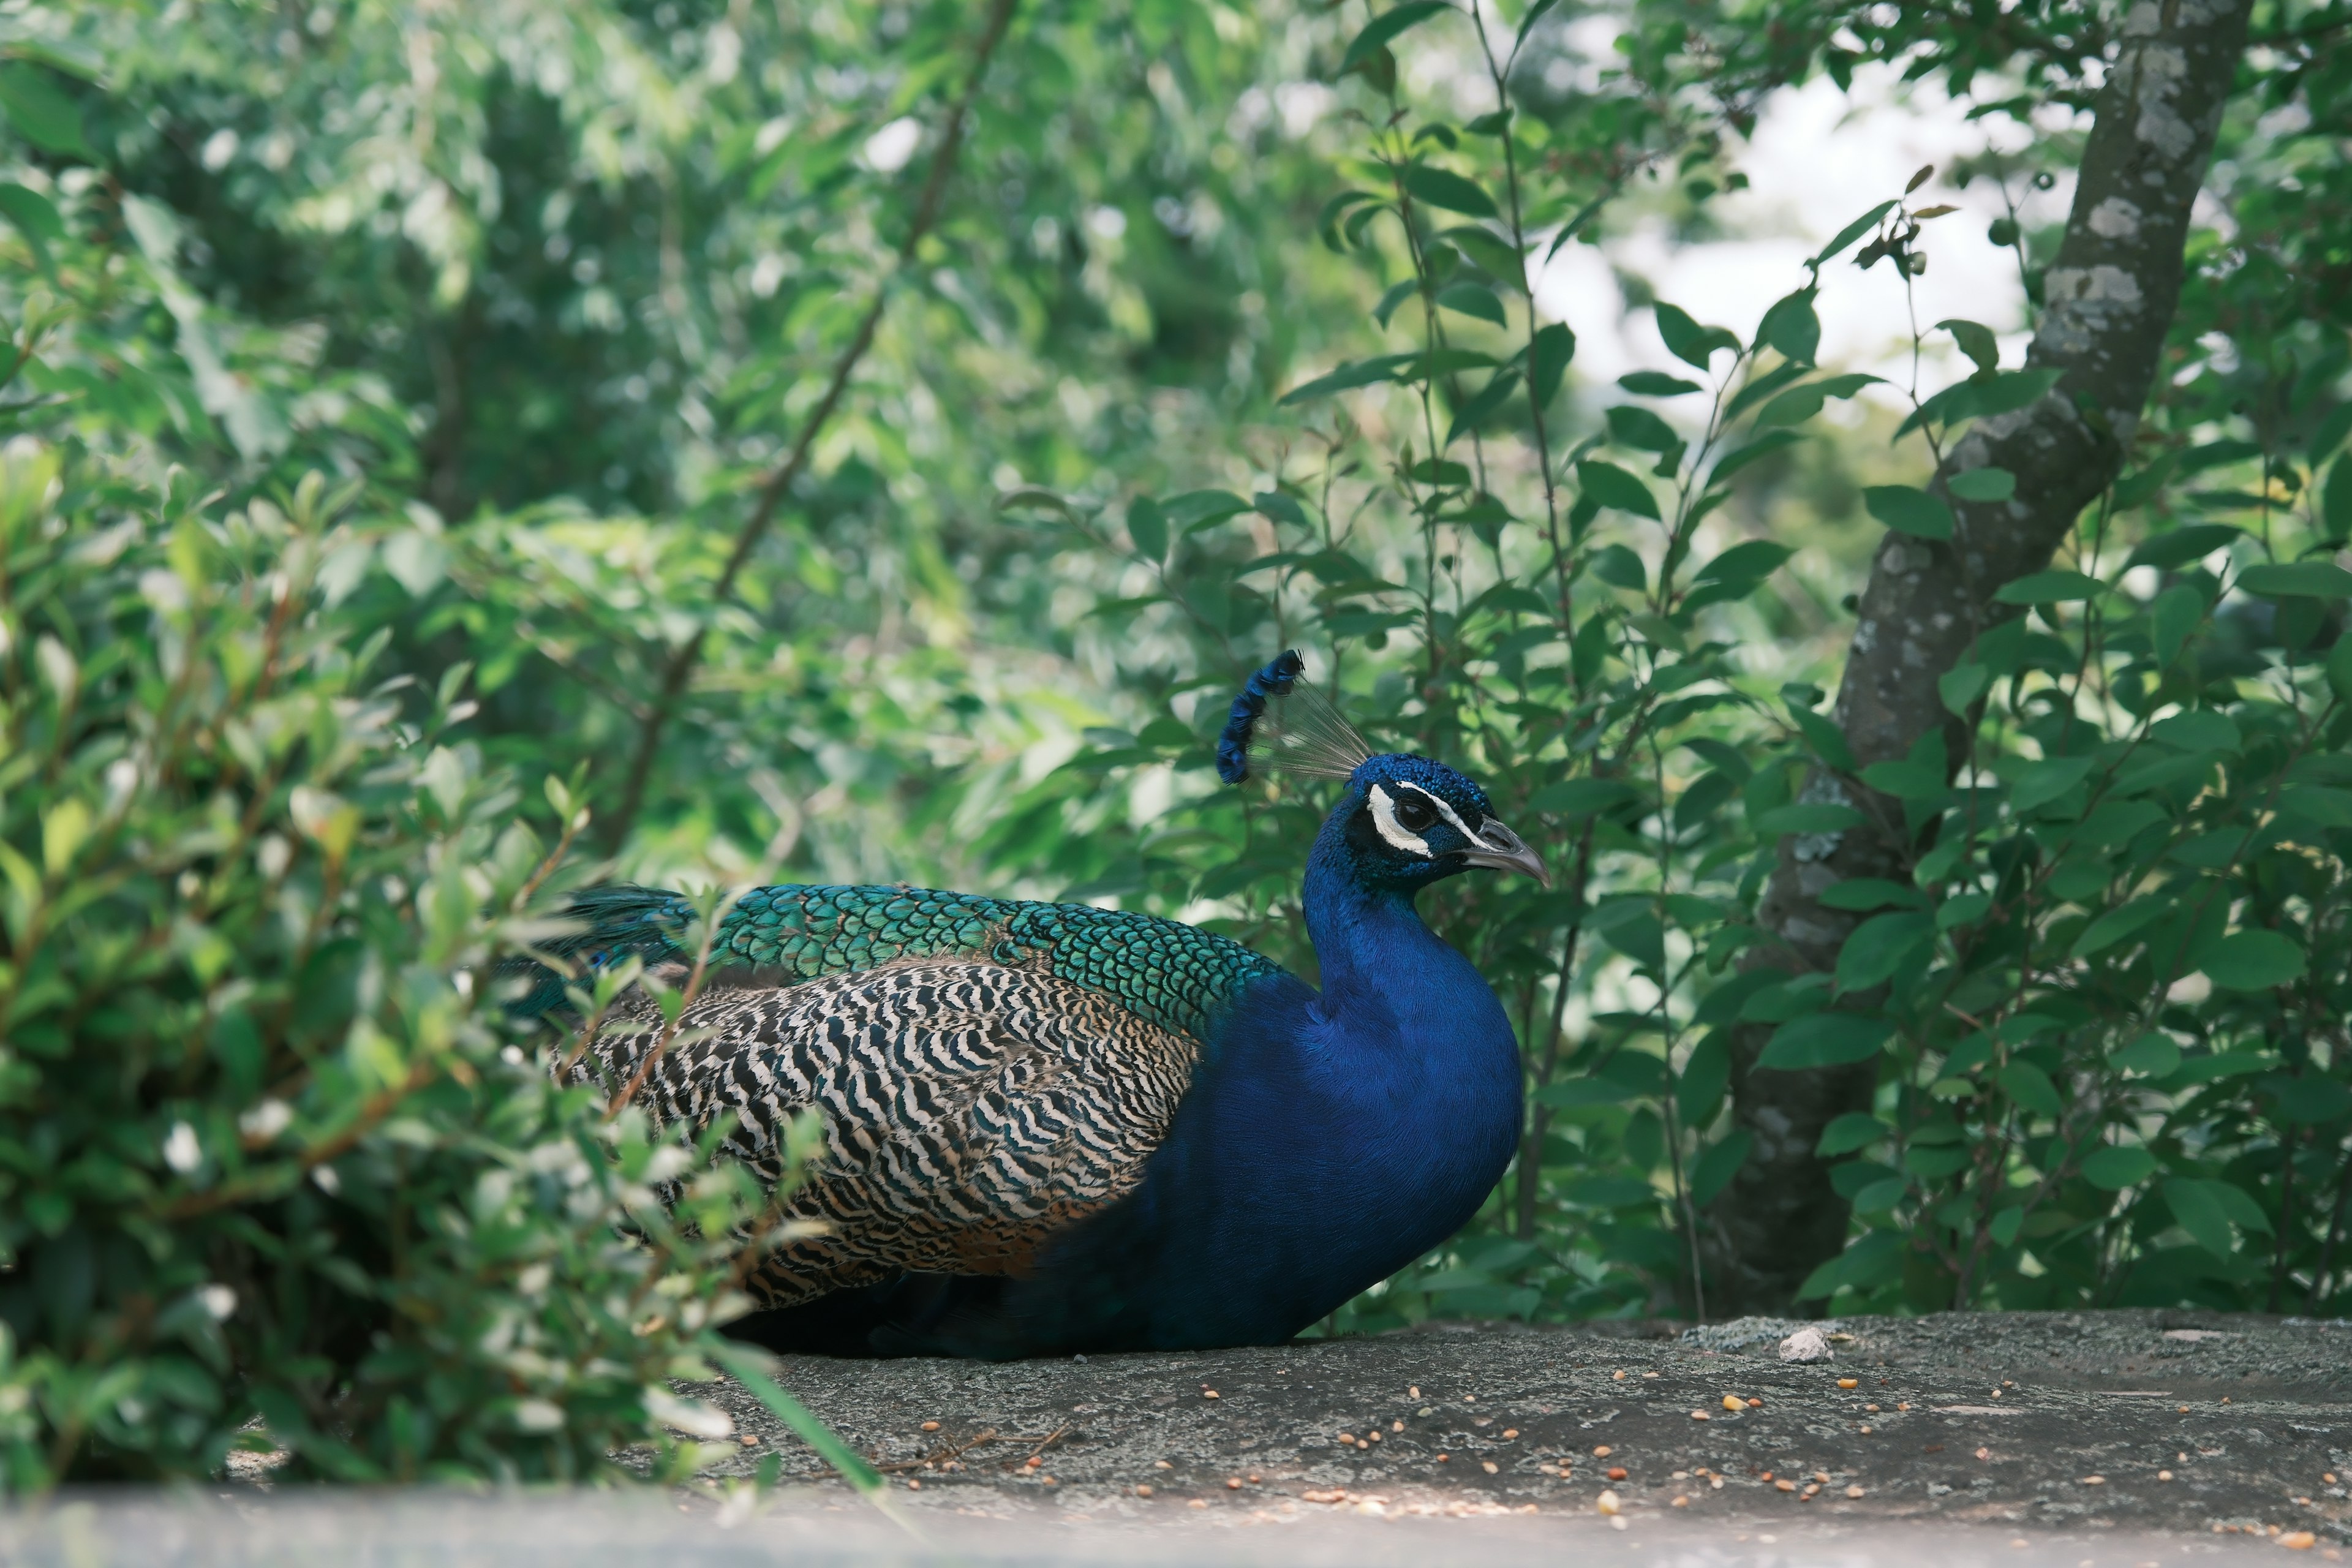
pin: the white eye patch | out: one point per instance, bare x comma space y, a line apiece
1446, 811
1384, 817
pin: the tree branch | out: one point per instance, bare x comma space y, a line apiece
2110, 297
779, 479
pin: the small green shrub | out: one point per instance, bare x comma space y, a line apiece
269, 1151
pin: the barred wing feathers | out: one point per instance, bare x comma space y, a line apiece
970, 1109
989, 1070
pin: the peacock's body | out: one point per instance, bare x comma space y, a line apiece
1051, 1128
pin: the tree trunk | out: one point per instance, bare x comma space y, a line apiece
2109, 300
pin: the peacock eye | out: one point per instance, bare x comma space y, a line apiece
1415, 814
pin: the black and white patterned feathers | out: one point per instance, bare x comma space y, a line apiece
971, 1110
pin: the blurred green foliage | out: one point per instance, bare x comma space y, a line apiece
388, 384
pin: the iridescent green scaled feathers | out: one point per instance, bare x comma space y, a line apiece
1173, 975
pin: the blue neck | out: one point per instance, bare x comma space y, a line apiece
1367, 940
1403, 1007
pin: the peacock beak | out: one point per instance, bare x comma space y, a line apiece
1506, 851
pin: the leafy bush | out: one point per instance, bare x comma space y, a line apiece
267, 1149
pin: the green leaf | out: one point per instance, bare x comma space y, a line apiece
2153, 1055
1799, 404
1640, 430
1907, 781
1852, 232
2221, 1065
1548, 352
2298, 579
1793, 407
2051, 587
1961, 685
2198, 1209
1826, 738
1854, 1130
2199, 730
1791, 327
1928, 1164
1474, 299
1764, 446
1376, 32
1979, 395
1983, 484
1908, 510
1751, 560
1879, 947
1494, 255
41, 111
1715, 1169
2114, 1169
2137, 489
34, 218
1826, 1039
1860, 895
1147, 526
2119, 923
2330, 433
1199, 509
1610, 485
1688, 340
1360, 373
2239, 1204
1698, 1092
1655, 383
1619, 566
2335, 500
2035, 785
2219, 455
1398, 293
2254, 960
1580, 797
1570, 1093
1481, 407
2339, 669
2029, 1087
1280, 508
2173, 619
1444, 188
1820, 818
1977, 342
2179, 546
2012, 390
750, 1368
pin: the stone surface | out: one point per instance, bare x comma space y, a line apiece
355, 1529
2031, 1420
1963, 1477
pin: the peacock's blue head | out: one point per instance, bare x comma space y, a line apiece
1407, 822
1404, 821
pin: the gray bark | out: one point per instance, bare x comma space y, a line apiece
2109, 299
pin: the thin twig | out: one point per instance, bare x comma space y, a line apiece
781, 478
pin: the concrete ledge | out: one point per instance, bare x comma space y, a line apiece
2031, 1440
2174, 1421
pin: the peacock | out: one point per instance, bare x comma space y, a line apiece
1054, 1129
